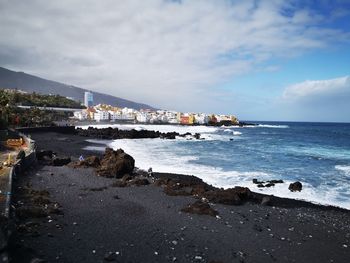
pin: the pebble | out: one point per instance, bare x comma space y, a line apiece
344, 245
93, 251
174, 242
155, 253
198, 257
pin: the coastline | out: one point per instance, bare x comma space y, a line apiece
143, 224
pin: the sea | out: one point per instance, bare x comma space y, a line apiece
316, 154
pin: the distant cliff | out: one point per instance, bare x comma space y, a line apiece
22, 81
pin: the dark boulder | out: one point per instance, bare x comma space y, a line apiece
276, 181
231, 196
197, 136
183, 185
256, 181
61, 161
115, 164
200, 208
296, 186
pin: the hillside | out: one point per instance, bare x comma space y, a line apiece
22, 81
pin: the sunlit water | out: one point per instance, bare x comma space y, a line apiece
317, 154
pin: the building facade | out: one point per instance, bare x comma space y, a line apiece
88, 99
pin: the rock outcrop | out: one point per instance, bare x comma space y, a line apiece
115, 133
61, 161
200, 208
232, 196
296, 186
115, 164
91, 161
268, 183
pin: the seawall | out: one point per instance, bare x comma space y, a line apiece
59, 129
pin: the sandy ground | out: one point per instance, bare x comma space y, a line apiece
102, 223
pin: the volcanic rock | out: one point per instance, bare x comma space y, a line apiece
91, 161
231, 196
115, 164
61, 161
296, 186
276, 181
189, 185
200, 208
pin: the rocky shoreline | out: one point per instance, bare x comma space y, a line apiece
102, 209
115, 133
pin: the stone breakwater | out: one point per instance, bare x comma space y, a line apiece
115, 133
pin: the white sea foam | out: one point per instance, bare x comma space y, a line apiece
272, 126
169, 156
230, 131
344, 168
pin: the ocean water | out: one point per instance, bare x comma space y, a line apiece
316, 154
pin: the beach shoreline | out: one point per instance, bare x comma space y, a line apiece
143, 224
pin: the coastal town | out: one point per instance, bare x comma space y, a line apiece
108, 113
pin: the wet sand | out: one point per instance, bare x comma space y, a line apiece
101, 223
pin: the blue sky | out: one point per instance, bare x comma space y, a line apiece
259, 59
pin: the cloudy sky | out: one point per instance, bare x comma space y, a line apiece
260, 60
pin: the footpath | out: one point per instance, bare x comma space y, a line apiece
17, 152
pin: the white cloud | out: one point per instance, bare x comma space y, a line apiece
166, 53
316, 88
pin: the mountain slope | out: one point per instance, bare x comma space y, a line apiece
22, 81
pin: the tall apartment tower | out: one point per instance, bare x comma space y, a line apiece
88, 99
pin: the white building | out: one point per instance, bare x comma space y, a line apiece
201, 118
101, 115
115, 115
142, 117
81, 115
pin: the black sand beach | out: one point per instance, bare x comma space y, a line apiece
97, 222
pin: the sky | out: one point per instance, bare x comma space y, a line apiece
258, 59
